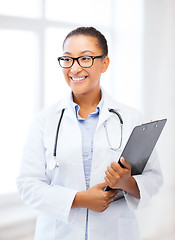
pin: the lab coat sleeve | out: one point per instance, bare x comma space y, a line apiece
148, 183
33, 184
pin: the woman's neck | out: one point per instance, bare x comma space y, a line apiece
87, 102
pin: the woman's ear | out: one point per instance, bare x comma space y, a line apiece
105, 64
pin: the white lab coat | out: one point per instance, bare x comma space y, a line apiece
52, 192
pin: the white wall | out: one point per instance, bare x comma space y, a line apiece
158, 101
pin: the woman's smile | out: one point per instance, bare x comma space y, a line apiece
78, 79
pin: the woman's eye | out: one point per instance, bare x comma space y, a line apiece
66, 59
85, 58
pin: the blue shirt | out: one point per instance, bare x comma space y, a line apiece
87, 127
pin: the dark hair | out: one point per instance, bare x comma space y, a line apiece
90, 31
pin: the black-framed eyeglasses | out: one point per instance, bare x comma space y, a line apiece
83, 61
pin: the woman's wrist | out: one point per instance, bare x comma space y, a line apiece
79, 200
132, 188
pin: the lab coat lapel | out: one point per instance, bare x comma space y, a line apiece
66, 104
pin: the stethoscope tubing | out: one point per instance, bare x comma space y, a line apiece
59, 123
57, 132
118, 114
121, 125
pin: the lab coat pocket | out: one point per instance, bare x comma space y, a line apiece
128, 229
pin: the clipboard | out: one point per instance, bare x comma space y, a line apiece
139, 147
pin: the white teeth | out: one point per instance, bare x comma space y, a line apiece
78, 79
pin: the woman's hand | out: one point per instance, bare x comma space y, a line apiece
118, 177
95, 198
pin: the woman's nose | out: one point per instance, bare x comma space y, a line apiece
76, 67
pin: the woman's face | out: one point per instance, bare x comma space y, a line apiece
84, 80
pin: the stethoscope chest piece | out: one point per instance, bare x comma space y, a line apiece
53, 163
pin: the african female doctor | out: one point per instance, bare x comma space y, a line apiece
72, 150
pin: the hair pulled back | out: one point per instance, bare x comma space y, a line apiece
90, 31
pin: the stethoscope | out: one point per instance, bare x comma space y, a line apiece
53, 163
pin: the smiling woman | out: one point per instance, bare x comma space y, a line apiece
70, 195
84, 79
31, 40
